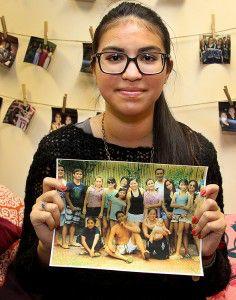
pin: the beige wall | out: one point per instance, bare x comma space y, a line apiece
190, 84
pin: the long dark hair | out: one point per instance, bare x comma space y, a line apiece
177, 140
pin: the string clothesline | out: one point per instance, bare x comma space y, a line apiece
80, 41
97, 110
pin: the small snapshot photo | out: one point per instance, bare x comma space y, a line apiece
227, 116
60, 119
19, 114
86, 63
38, 53
215, 50
8, 50
128, 216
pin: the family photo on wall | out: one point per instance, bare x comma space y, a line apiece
87, 53
19, 114
227, 116
60, 118
8, 49
215, 49
128, 216
38, 53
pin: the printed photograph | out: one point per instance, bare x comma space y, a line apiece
129, 216
59, 119
19, 114
227, 116
8, 50
215, 50
87, 53
39, 54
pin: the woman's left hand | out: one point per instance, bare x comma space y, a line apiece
210, 221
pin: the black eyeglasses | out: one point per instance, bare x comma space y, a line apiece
116, 63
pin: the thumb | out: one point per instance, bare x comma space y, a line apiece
210, 191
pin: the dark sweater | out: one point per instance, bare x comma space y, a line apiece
71, 142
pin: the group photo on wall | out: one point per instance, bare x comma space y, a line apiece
8, 49
215, 49
227, 116
128, 216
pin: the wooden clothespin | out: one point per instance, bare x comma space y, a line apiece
64, 103
45, 32
91, 32
213, 26
4, 27
225, 89
24, 94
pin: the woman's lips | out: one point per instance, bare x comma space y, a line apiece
131, 92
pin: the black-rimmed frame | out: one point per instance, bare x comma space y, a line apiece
164, 57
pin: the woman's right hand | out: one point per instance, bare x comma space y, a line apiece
45, 214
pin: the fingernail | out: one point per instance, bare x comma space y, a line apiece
199, 236
203, 193
194, 220
62, 188
194, 232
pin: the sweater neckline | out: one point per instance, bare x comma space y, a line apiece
100, 141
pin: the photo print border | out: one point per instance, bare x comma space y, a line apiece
19, 115
215, 50
60, 119
89, 170
38, 53
227, 116
87, 56
8, 54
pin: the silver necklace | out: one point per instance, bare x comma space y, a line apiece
106, 144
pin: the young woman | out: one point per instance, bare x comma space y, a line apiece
116, 203
193, 191
108, 194
169, 190
57, 122
124, 182
152, 198
131, 64
93, 200
157, 244
181, 203
90, 238
135, 206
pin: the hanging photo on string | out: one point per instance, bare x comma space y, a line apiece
19, 114
227, 116
38, 53
87, 53
60, 119
8, 49
215, 50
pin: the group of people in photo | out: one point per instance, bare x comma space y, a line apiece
19, 114
215, 49
58, 121
39, 53
228, 119
125, 218
8, 51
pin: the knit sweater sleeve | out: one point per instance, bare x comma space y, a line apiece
26, 265
216, 277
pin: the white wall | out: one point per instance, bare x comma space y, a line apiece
191, 83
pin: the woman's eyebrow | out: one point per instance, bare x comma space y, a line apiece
148, 48
113, 48
143, 49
